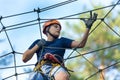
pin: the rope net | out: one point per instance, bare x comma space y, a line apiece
13, 56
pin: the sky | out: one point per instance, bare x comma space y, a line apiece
23, 37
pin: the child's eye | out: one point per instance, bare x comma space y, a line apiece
56, 26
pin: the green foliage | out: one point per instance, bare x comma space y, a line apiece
102, 36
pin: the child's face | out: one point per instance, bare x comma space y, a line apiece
55, 29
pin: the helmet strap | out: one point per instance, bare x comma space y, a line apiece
52, 35
47, 31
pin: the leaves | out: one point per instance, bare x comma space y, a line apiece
100, 38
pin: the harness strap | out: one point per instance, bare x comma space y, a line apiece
42, 62
49, 59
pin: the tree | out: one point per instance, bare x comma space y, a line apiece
103, 36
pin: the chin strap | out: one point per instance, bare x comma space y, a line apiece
51, 34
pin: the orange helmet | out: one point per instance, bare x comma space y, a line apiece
48, 23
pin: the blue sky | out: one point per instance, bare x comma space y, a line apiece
23, 37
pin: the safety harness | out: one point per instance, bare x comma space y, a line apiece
48, 59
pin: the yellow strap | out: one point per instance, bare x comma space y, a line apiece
40, 64
55, 64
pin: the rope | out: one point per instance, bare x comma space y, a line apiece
38, 22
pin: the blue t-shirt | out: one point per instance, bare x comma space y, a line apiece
57, 47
